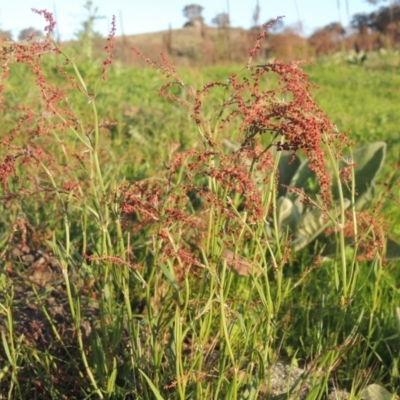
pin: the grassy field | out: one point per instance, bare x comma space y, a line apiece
149, 248
362, 100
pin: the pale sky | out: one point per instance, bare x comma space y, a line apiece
141, 16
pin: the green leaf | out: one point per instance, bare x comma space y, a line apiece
4, 371
230, 145
152, 387
112, 378
6, 347
169, 274
392, 250
310, 225
284, 208
3, 282
288, 213
303, 175
376, 392
287, 167
369, 161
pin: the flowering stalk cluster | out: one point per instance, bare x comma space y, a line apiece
267, 120
50, 116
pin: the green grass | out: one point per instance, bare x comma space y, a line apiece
139, 213
360, 100
363, 101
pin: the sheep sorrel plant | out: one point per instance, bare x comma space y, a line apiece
127, 276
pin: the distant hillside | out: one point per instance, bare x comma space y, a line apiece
204, 45
190, 45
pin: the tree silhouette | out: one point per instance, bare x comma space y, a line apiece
28, 33
5, 34
381, 1
193, 13
384, 17
327, 39
361, 21
221, 20
379, 20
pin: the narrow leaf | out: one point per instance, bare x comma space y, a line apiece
152, 387
112, 378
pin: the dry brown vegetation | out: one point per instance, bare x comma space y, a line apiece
203, 45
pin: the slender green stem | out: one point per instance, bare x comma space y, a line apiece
180, 377
342, 219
